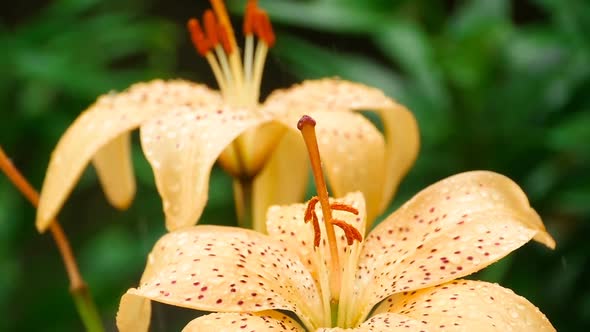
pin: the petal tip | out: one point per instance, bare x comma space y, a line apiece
42, 222
546, 239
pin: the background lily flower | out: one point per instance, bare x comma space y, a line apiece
186, 127
405, 269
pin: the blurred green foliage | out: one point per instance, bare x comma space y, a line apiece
495, 85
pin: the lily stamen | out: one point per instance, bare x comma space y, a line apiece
344, 207
310, 215
203, 46
350, 232
239, 83
307, 127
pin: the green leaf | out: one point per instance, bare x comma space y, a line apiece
338, 16
404, 43
574, 200
477, 15
572, 135
313, 62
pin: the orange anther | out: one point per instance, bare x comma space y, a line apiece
267, 33
344, 207
310, 208
251, 8
310, 215
210, 23
350, 232
224, 39
223, 19
201, 43
316, 230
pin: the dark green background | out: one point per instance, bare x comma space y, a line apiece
498, 85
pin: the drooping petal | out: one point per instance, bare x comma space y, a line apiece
466, 305
102, 124
134, 314
228, 269
286, 224
115, 171
182, 146
450, 229
258, 321
283, 180
400, 128
385, 322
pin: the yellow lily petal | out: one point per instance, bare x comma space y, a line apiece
258, 321
115, 171
283, 180
385, 322
225, 269
450, 229
285, 223
134, 314
335, 95
182, 146
98, 130
466, 305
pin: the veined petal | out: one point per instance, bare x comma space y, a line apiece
385, 322
182, 146
466, 305
228, 269
110, 117
283, 180
450, 229
258, 321
400, 128
134, 314
286, 224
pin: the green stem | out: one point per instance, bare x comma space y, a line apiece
244, 199
87, 309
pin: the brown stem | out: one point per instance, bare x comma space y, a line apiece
76, 281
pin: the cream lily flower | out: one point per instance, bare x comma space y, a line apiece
401, 276
185, 127
405, 268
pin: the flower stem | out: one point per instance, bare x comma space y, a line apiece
78, 288
244, 198
87, 309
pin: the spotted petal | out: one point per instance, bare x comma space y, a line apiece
226, 269
385, 322
182, 146
338, 96
465, 305
259, 321
451, 229
102, 132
